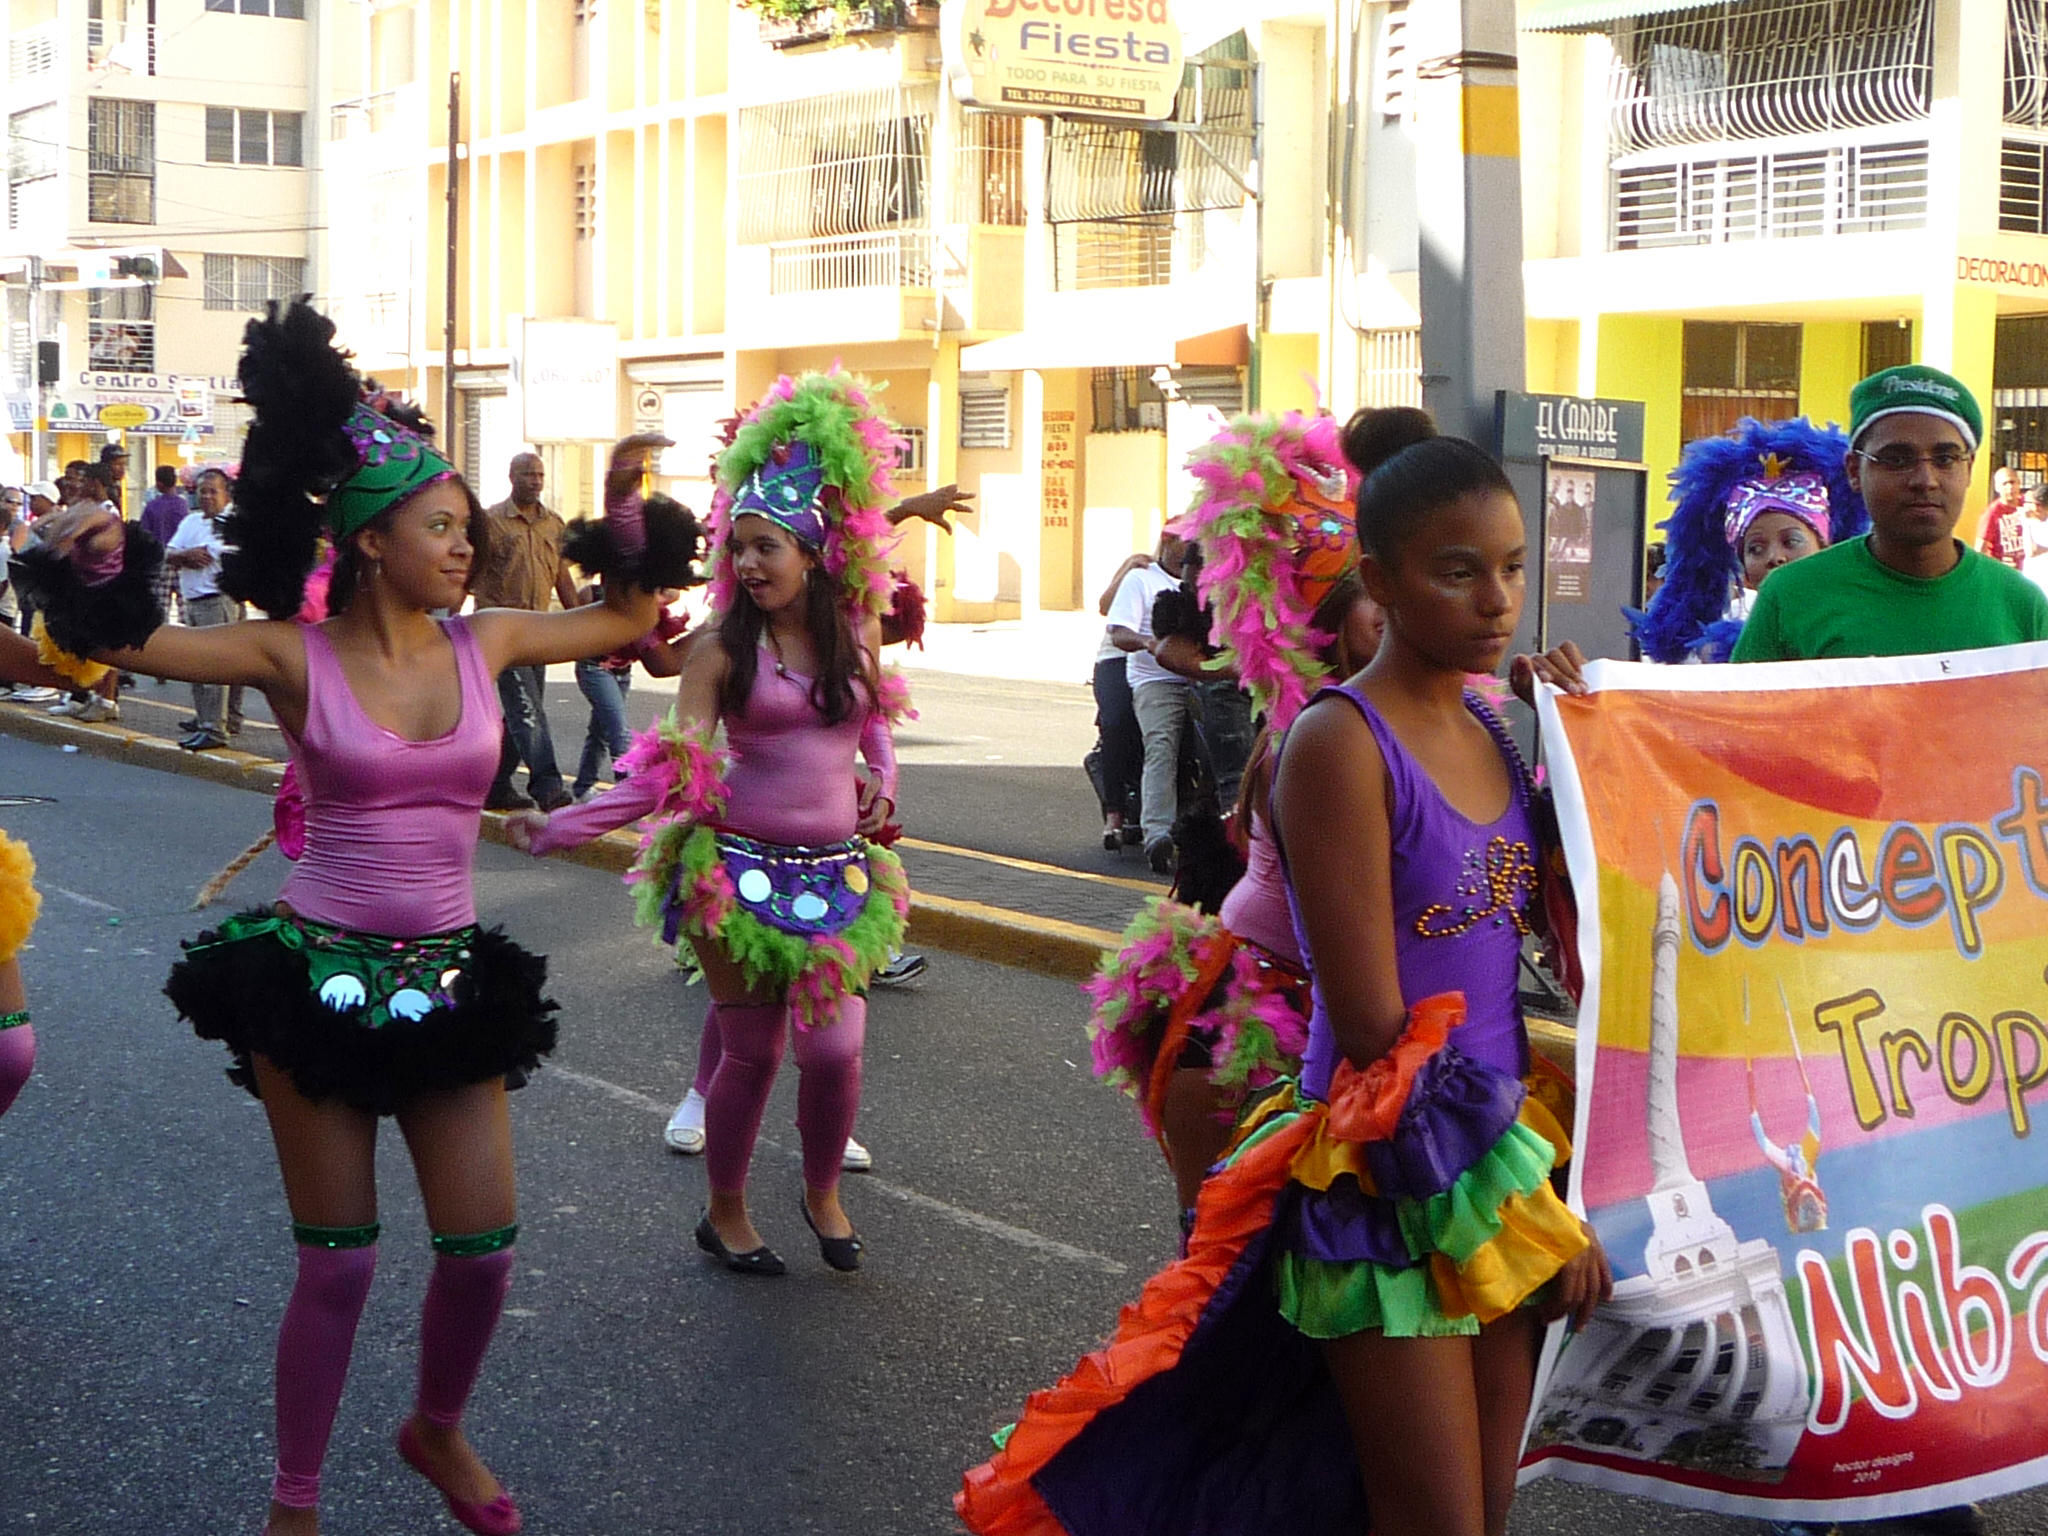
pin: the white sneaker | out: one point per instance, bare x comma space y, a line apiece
69, 707
900, 969
96, 709
856, 1158
29, 693
685, 1131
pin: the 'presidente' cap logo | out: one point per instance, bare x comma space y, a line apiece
1907, 385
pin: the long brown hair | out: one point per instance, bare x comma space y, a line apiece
840, 657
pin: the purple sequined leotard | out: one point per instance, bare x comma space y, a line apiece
1459, 893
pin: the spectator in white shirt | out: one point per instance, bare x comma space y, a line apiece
1162, 699
194, 553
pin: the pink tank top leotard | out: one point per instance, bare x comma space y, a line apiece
391, 824
791, 779
1256, 908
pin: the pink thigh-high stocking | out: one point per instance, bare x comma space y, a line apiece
17, 1055
828, 1090
752, 1036
472, 1273
709, 1049
313, 1345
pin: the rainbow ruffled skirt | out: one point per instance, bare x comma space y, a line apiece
1417, 1200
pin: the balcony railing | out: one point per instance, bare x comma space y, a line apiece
1786, 193
127, 47
1763, 69
895, 259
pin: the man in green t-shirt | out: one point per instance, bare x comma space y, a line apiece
1908, 587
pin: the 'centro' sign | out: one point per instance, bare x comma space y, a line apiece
1090, 58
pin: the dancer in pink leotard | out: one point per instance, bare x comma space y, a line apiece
761, 851
369, 988
1203, 1004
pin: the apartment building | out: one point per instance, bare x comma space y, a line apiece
160, 188
589, 255
1738, 208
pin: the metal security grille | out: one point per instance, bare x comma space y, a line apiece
2019, 395
2023, 187
1390, 367
1126, 400
988, 168
250, 282
984, 416
835, 165
1736, 369
1761, 71
1113, 194
120, 161
2026, 62
1793, 192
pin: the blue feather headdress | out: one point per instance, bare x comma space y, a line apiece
1702, 571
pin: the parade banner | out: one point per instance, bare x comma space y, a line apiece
1812, 1123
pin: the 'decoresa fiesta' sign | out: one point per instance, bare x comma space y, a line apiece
1093, 58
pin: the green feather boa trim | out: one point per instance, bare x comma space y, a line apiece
814, 972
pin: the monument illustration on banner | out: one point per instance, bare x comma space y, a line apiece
1695, 1361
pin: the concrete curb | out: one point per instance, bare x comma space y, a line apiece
1049, 946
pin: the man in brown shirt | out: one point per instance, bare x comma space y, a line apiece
526, 570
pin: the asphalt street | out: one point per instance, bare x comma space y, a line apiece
144, 1253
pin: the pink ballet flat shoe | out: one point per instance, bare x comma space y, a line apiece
500, 1517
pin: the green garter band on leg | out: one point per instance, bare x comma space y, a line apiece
307, 1236
14, 1020
474, 1245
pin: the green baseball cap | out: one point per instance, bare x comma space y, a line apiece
1915, 388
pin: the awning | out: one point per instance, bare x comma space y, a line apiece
1599, 15
1230, 347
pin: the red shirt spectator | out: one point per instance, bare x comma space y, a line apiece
2002, 534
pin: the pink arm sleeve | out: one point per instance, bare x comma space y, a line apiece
618, 806
878, 751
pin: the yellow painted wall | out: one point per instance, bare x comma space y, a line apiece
1123, 501
1642, 358
1552, 366
1830, 363
1289, 365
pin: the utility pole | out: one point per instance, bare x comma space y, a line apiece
454, 246
40, 398
1468, 200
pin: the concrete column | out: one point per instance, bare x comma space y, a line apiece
1959, 326
1469, 210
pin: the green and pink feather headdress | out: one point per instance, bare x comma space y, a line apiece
813, 455
1275, 521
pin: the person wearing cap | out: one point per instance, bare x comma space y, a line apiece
1909, 586
1906, 588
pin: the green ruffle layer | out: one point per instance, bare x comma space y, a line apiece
812, 969
1332, 1300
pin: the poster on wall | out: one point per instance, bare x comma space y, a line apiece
1568, 534
1813, 1081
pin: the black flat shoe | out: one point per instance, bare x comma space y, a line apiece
842, 1253
759, 1261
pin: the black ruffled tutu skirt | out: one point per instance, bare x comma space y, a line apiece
369, 1021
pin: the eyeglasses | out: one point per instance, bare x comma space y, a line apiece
1903, 461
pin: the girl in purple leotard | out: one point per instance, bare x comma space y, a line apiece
1350, 1341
